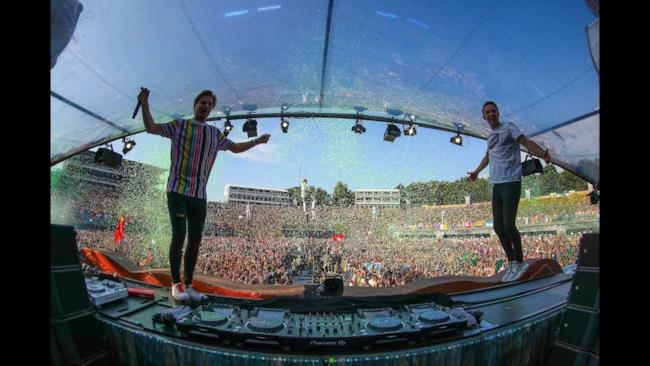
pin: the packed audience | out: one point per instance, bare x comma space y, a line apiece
245, 243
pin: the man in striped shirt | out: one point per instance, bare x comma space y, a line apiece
195, 145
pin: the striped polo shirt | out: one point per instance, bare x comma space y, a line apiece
194, 149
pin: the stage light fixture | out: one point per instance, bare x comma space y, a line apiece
284, 125
412, 117
227, 127
392, 132
128, 145
411, 131
358, 128
457, 140
250, 127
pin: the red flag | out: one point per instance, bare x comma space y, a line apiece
119, 231
338, 237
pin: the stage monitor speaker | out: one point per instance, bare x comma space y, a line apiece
63, 246
589, 251
580, 328
68, 293
578, 337
108, 157
567, 356
585, 290
76, 339
74, 327
333, 287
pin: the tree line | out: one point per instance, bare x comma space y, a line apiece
448, 193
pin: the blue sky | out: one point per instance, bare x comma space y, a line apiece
440, 60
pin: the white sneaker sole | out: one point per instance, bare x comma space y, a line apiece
520, 273
182, 298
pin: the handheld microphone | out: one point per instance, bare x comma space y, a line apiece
137, 106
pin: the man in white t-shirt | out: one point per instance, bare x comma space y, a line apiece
503, 155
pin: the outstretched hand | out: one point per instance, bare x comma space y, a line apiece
472, 176
263, 139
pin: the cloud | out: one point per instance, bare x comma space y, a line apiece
265, 153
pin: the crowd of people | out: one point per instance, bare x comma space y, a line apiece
255, 251
364, 260
389, 264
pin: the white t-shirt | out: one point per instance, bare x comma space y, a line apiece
504, 153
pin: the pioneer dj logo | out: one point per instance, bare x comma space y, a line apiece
494, 139
340, 342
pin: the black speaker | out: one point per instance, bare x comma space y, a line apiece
585, 290
100, 359
74, 328
567, 356
580, 328
67, 292
108, 157
63, 246
333, 287
589, 252
76, 338
578, 336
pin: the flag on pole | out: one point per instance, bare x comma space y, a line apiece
119, 231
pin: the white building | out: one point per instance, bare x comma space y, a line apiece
377, 198
268, 196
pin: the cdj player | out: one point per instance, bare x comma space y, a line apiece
365, 329
104, 291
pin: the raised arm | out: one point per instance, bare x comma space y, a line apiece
473, 175
534, 148
240, 147
149, 123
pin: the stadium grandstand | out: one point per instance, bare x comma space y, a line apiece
265, 196
379, 198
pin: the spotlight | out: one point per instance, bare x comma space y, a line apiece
411, 131
392, 132
227, 127
285, 106
250, 127
358, 128
412, 117
457, 140
128, 145
284, 125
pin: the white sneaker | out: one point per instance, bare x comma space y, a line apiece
178, 292
521, 269
510, 271
506, 272
195, 295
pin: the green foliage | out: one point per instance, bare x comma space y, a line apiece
342, 196
552, 182
452, 193
321, 195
